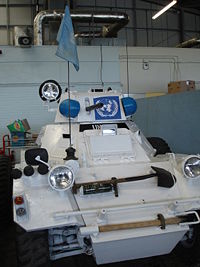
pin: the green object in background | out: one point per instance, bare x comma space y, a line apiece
16, 126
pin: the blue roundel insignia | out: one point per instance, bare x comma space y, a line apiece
110, 110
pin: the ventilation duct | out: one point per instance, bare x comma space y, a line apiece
112, 22
190, 43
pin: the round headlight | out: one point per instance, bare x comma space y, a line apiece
61, 178
50, 91
191, 167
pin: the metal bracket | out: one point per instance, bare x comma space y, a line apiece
188, 213
41, 161
102, 216
162, 221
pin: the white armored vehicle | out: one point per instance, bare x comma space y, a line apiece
96, 185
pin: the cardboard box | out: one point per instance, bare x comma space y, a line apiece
18, 138
181, 86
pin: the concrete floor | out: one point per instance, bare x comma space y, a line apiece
8, 257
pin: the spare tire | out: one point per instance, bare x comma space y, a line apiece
6, 185
32, 248
160, 145
187, 250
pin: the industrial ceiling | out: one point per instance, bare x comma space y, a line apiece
181, 23
194, 4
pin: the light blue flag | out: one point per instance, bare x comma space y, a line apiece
67, 46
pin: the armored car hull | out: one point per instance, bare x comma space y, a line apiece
104, 191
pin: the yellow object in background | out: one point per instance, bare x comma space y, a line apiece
153, 94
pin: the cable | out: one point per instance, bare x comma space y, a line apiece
101, 68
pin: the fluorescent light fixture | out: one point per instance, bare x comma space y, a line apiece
164, 9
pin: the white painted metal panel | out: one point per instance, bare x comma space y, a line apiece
134, 248
104, 145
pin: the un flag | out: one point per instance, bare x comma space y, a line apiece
67, 47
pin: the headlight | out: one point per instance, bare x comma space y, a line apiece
50, 91
61, 178
191, 167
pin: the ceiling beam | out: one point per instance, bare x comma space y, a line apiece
190, 3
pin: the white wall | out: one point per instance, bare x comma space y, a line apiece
165, 65
23, 70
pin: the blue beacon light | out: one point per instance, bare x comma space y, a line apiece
74, 108
129, 105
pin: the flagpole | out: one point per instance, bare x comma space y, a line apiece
127, 65
68, 85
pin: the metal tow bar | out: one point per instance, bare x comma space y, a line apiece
160, 222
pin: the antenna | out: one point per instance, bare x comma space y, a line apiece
67, 51
68, 91
70, 150
127, 66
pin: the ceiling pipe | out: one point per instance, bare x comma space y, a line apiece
113, 21
190, 43
90, 34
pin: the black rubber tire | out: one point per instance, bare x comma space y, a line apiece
6, 185
160, 145
32, 248
189, 254
50, 81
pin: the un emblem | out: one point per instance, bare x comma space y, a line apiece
110, 109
